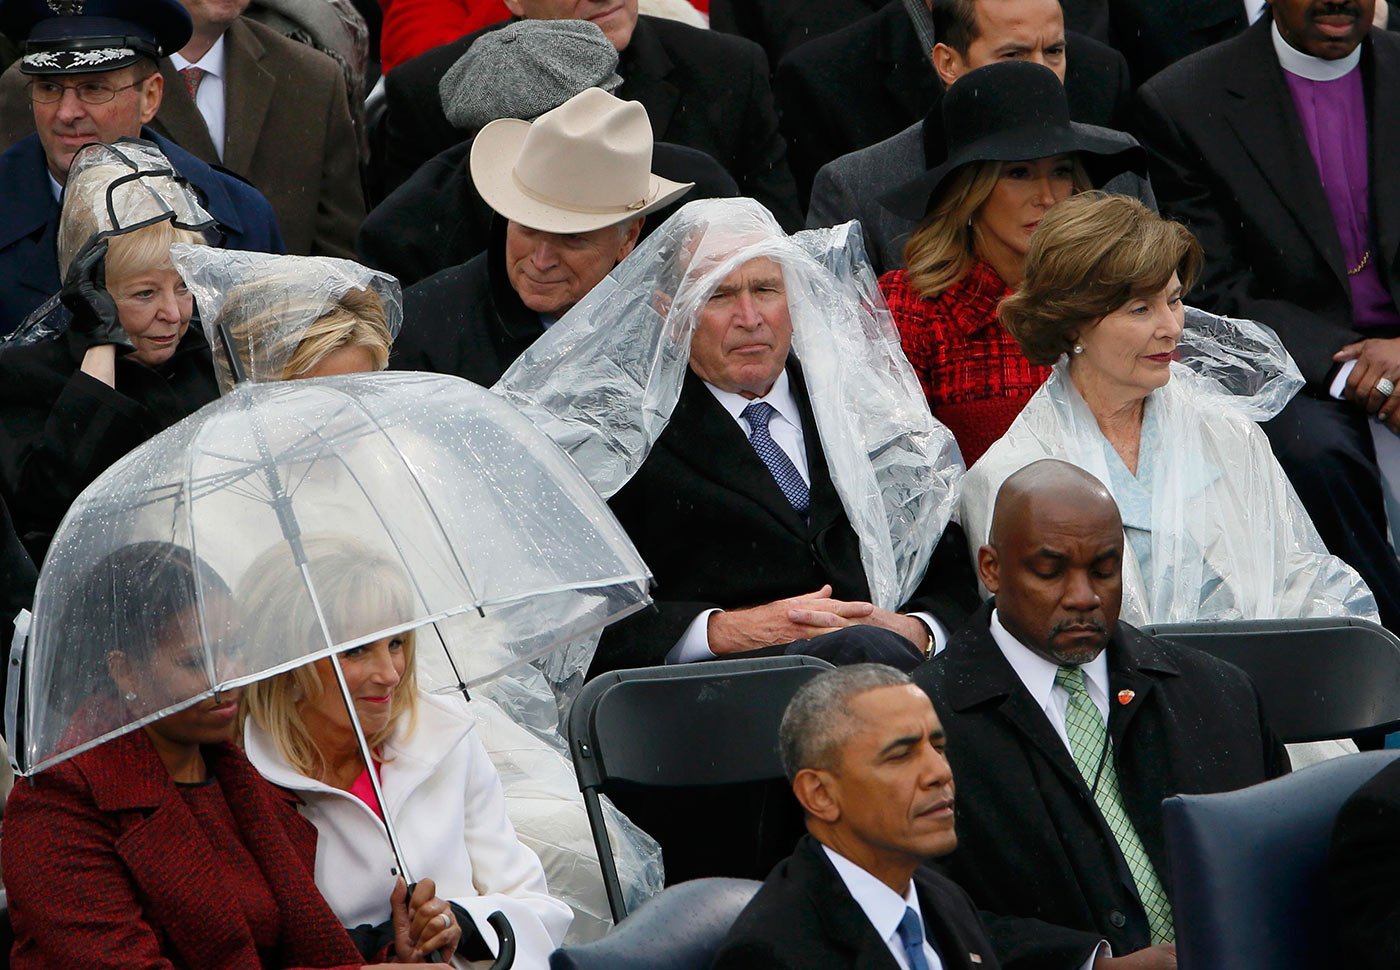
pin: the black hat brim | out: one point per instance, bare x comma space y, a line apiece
911, 200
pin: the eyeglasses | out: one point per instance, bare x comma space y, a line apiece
89, 92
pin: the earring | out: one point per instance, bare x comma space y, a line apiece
1079, 348
129, 696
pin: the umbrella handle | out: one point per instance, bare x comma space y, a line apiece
505, 958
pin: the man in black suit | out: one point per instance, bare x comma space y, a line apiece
872, 79
752, 550
701, 89
1276, 149
1363, 874
864, 753
1067, 728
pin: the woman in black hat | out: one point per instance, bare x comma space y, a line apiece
1012, 153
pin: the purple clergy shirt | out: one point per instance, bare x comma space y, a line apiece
1333, 116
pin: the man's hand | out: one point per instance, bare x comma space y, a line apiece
1375, 359
783, 621
910, 628
1159, 957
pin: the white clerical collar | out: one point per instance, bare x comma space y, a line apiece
779, 396
1311, 68
882, 905
1038, 674
212, 63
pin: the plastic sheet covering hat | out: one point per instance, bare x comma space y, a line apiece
112, 190
1214, 529
507, 549
266, 303
603, 381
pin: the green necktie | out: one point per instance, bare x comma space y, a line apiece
1088, 742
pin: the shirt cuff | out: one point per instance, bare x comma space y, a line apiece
694, 644
1102, 950
939, 631
1339, 383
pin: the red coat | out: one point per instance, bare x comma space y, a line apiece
973, 372
414, 26
106, 867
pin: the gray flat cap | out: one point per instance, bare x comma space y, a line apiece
525, 69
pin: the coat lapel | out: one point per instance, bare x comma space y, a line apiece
1384, 69
1260, 109
644, 67
845, 923
179, 119
249, 88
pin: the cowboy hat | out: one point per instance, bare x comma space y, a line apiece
584, 165
1010, 111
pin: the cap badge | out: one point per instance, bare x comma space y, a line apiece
66, 8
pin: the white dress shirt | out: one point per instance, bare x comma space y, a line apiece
210, 97
785, 428
1254, 9
883, 907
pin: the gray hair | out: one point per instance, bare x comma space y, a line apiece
818, 718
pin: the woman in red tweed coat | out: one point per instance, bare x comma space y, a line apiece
163, 847
1012, 154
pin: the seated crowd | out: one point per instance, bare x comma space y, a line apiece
1095, 325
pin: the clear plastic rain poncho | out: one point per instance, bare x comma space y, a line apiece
266, 303
112, 190
507, 549
603, 381
1214, 529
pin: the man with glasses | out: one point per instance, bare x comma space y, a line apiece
93, 78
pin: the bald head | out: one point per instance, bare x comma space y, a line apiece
1054, 561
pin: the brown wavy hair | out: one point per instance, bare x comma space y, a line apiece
1090, 255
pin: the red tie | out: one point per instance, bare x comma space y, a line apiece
192, 77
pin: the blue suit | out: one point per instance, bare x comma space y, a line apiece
29, 221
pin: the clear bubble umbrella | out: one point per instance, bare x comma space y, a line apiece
507, 550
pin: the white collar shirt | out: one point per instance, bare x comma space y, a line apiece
1311, 68
1038, 676
55, 186
785, 428
210, 99
1254, 9
883, 907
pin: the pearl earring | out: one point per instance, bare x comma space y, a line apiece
1079, 348
129, 696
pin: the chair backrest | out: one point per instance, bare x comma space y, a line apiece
681, 929
1248, 868
683, 726
1320, 678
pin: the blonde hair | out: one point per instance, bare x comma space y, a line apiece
944, 246
85, 214
355, 320
1089, 256
351, 580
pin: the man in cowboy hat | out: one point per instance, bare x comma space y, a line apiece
93, 78
571, 190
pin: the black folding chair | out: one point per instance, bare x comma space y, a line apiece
1248, 868
681, 929
653, 738
1320, 679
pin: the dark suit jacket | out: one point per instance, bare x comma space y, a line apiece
106, 865
1364, 874
1153, 34
779, 26
1032, 846
710, 521
438, 219
29, 221
287, 130
701, 89
17, 576
1228, 158
804, 918
871, 80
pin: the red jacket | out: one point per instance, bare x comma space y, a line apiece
414, 26
973, 372
106, 867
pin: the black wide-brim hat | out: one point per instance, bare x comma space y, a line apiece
88, 36
1010, 111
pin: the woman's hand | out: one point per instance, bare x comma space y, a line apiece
423, 924
84, 293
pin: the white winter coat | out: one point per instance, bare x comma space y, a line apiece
445, 800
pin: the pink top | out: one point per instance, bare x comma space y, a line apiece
363, 789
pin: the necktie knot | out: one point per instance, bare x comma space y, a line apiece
1070, 677
192, 76
911, 936
758, 414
